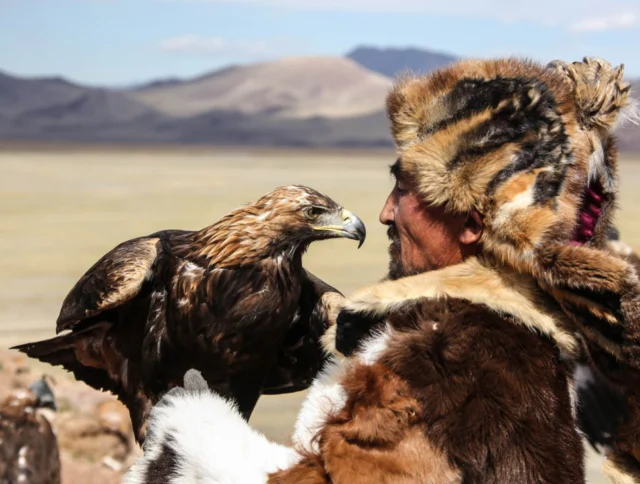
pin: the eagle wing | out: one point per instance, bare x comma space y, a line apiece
301, 357
116, 278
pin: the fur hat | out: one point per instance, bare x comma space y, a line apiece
531, 148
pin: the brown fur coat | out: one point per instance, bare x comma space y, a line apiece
453, 391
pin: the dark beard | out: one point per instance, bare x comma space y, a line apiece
396, 269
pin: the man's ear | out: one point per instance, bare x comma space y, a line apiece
472, 229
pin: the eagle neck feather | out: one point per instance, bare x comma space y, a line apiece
242, 238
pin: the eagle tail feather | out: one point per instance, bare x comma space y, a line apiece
61, 351
58, 351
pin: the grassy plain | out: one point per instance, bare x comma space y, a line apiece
62, 208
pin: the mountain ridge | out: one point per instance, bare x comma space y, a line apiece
391, 61
292, 87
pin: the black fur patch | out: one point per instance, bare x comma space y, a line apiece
352, 329
548, 185
164, 466
600, 411
472, 96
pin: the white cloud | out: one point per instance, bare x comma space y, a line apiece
600, 24
192, 44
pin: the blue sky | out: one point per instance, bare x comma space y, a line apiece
118, 42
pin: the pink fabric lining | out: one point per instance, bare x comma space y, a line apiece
589, 215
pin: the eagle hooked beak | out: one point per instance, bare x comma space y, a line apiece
350, 227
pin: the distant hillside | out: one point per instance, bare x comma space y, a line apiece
392, 61
232, 128
45, 106
300, 87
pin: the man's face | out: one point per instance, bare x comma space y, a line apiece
422, 238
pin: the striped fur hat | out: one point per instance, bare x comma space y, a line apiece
531, 148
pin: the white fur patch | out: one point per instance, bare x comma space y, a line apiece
630, 114
596, 163
327, 395
328, 341
619, 248
615, 475
573, 398
521, 201
374, 346
212, 442
582, 376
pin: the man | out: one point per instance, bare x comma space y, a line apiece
459, 367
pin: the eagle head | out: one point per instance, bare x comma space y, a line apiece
282, 222
301, 215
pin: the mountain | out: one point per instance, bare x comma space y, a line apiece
392, 61
53, 109
165, 82
45, 106
320, 102
293, 88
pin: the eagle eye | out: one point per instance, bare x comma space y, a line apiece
312, 213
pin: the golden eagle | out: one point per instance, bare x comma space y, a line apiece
28, 446
231, 300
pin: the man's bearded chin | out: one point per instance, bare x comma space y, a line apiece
396, 268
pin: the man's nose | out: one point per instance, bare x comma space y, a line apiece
387, 214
